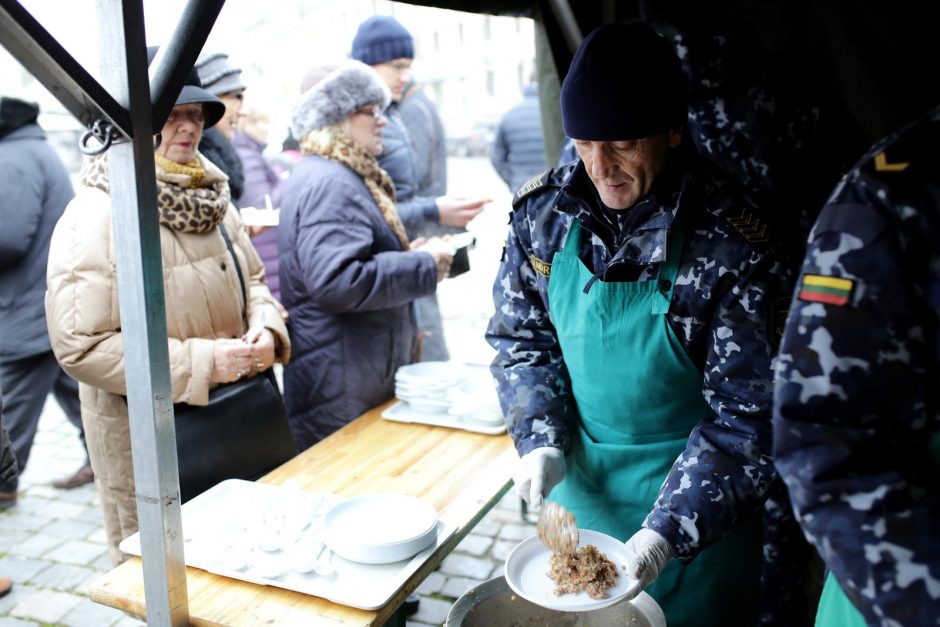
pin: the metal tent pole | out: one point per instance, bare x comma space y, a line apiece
136, 229
567, 22
125, 123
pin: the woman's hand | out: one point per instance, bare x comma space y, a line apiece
261, 342
233, 360
441, 251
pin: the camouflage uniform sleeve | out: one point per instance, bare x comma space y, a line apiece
724, 472
854, 415
530, 375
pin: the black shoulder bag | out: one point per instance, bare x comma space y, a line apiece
241, 434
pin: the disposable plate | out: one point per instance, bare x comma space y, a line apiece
528, 564
380, 528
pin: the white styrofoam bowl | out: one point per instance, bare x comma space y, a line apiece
380, 528
430, 371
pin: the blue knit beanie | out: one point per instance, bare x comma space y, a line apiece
625, 82
381, 39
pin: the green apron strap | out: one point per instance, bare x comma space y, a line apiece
669, 270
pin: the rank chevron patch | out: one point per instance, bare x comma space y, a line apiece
749, 226
882, 165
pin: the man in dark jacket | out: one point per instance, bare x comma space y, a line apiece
388, 47
428, 141
36, 189
518, 152
634, 328
856, 418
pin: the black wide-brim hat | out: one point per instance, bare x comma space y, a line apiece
212, 107
193, 93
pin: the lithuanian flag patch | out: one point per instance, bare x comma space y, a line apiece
831, 290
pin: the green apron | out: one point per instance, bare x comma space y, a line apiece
638, 396
835, 609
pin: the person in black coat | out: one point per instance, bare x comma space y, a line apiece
36, 189
221, 79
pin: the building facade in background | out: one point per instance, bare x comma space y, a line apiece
475, 65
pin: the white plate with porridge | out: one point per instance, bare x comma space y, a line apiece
528, 566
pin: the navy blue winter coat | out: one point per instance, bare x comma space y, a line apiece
418, 213
36, 189
518, 152
349, 287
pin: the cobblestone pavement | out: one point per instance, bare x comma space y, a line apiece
52, 543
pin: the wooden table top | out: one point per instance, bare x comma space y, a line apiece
462, 474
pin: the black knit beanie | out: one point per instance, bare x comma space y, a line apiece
625, 82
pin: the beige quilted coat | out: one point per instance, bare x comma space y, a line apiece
203, 302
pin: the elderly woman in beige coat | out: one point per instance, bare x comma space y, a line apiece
208, 342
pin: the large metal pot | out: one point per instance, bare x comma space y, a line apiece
494, 604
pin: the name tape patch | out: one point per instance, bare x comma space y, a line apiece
542, 267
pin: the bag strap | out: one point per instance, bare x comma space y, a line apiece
238, 269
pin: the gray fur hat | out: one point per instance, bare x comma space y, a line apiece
351, 86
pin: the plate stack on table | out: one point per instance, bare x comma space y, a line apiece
357, 551
424, 385
380, 528
449, 394
474, 399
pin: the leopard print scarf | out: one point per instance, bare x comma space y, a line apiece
335, 144
191, 197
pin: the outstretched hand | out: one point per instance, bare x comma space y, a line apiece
457, 211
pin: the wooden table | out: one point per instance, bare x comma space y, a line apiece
462, 474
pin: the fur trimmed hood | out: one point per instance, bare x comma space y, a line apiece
349, 87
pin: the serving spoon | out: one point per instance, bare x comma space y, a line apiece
557, 529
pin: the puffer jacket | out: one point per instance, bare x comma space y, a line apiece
203, 303
349, 287
518, 152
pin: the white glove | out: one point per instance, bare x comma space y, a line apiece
537, 472
648, 553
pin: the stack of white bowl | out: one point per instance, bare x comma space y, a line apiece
424, 385
474, 399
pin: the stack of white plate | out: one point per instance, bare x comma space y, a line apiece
425, 385
474, 399
380, 528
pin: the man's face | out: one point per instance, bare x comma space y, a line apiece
623, 171
396, 74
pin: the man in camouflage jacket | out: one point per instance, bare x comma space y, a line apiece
857, 401
726, 307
